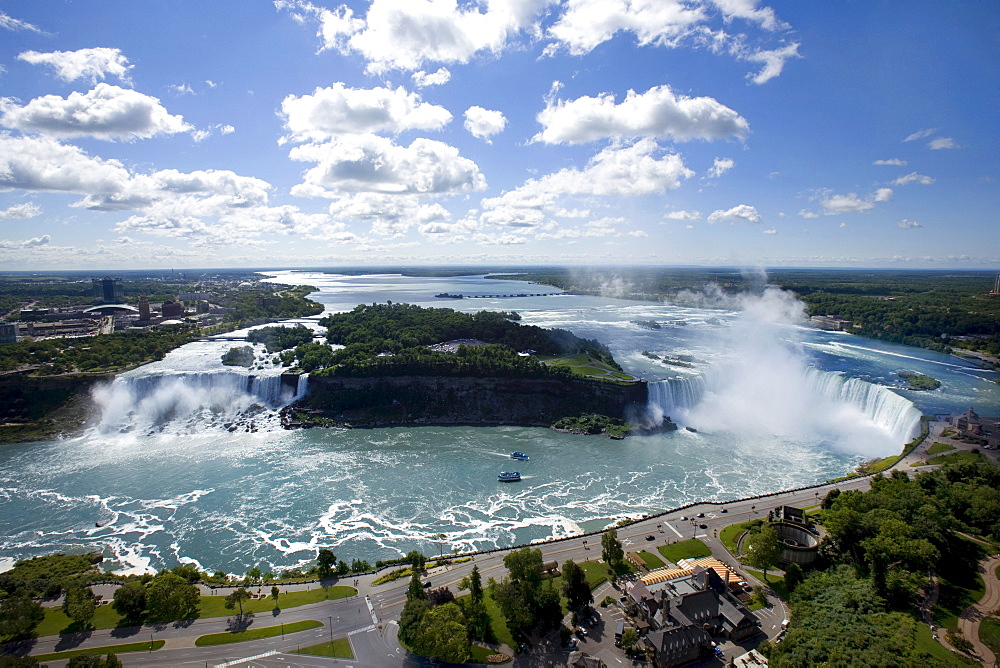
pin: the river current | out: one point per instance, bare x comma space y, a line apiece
190, 464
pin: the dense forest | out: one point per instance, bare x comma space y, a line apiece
925, 308
857, 607
393, 339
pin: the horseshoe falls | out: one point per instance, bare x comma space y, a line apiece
854, 414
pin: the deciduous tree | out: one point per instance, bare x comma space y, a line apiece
130, 600
236, 599
611, 549
575, 586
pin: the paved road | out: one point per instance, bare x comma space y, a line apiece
969, 620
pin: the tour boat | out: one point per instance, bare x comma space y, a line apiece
509, 476
518, 455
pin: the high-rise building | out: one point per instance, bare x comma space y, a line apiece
143, 308
107, 289
996, 287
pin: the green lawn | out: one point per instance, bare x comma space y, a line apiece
989, 633
56, 622
479, 655
774, 581
938, 448
651, 560
960, 457
583, 365
596, 573
339, 648
691, 548
731, 534
214, 606
116, 649
956, 595
497, 622
256, 634
925, 643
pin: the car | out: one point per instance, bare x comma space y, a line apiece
684, 518
427, 585
700, 515
650, 537
702, 526
724, 510
580, 633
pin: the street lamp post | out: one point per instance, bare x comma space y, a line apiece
331, 630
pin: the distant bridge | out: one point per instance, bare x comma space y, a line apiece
520, 294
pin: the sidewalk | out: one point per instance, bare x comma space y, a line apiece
971, 617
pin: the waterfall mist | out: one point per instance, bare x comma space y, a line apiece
764, 384
153, 401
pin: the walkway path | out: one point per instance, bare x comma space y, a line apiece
969, 620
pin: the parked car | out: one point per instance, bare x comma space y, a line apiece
650, 537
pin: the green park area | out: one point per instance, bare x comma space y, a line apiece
989, 634
691, 548
57, 622
937, 448
124, 648
339, 648
584, 364
256, 633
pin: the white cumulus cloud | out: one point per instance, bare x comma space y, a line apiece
21, 211
389, 216
106, 112
683, 215
484, 123
913, 177
906, 224
406, 34
26, 243
806, 213
616, 171
656, 113
740, 212
339, 110
90, 64
834, 205
720, 166
773, 60
369, 163
942, 142
891, 161
423, 79
585, 24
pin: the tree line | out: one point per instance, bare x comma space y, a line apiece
392, 339
857, 605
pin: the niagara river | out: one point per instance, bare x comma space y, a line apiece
189, 463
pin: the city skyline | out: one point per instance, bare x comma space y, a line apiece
716, 132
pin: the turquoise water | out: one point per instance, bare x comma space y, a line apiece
178, 486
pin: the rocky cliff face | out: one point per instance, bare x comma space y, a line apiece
374, 402
43, 407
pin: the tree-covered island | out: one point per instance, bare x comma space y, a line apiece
401, 363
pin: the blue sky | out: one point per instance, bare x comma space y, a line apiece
583, 132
